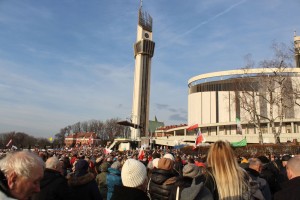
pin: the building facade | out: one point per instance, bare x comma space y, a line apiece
79, 139
215, 103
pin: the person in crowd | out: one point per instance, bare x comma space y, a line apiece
162, 179
225, 178
101, 179
113, 178
270, 172
82, 182
191, 173
54, 185
290, 190
254, 169
178, 166
283, 174
134, 180
20, 175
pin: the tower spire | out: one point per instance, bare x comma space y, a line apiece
141, 4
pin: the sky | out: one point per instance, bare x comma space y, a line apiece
65, 61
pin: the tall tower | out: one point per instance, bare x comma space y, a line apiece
297, 50
143, 52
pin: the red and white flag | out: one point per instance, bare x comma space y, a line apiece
141, 154
9, 143
200, 138
193, 127
107, 151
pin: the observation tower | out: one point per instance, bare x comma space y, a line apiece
143, 52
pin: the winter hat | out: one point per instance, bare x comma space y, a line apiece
133, 173
191, 170
155, 162
116, 165
81, 167
170, 156
286, 157
104, 166
165, 163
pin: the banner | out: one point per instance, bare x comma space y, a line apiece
241, 143
192, 127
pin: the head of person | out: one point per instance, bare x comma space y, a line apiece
293, 167
169, 156
256, 164
225, 169
23, 171
285, 159
191, 170
134, 174
165, 164
81, 167
54, 164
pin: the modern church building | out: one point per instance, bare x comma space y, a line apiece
235, 104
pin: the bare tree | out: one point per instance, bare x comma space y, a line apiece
267, 97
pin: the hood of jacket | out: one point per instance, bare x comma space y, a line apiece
81, 180
160, 176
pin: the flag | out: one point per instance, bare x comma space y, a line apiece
241, 143
107, 151
141, 154
50, 139
200, 138
192, 127
239, 129
9, 143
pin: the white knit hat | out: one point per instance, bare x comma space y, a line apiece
170, 156
133, 173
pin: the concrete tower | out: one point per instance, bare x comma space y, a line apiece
297, 50
143, 52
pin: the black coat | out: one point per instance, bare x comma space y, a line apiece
290, 190
84, 187
128, 193
53, 187
161, 184
263, 184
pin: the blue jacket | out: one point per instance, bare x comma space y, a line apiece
113, 178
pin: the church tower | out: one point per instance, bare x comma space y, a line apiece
143, 52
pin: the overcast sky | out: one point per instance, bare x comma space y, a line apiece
64, 61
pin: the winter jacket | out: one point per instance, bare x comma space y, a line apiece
186, 182
84, 187
161, 184
263, 184
290, 190
53, 187
128, 193
101, 180
113, 178
4, 191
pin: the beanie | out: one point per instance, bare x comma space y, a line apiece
133, 173
191, 170
165, 163
170, 156
116, 165
155, 162
81, 167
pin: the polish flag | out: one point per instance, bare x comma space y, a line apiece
107, 151
192, 127
200, 138
141, 154
9, 143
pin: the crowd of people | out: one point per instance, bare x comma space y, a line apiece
96, 174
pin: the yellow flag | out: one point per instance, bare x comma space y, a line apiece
50, 139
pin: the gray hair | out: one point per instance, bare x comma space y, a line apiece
23, 163
52, 162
